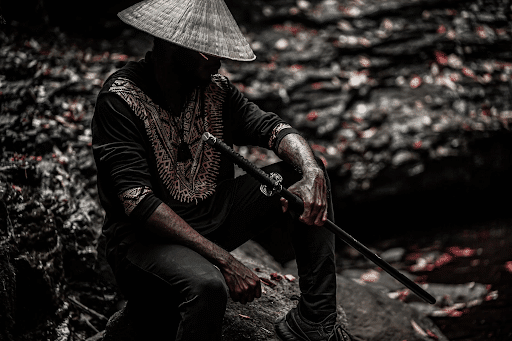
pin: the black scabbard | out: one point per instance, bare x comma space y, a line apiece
297, 206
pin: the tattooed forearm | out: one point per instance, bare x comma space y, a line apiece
295, 150
165, 223
312, 188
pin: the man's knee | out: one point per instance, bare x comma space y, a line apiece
210, 287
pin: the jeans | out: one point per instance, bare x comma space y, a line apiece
176, 294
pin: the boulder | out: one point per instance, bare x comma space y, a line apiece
366, 312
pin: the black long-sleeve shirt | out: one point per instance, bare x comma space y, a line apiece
135, 143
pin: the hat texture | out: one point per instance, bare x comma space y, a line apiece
205, 26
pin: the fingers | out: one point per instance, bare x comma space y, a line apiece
258, 289
316, 213
321, 217
315, 206
244, 287
249, 292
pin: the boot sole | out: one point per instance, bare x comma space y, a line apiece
284, 332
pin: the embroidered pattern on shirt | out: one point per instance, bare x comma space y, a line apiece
195, 179
132, 197
275, 132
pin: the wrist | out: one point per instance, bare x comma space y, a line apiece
224, 261
312, 171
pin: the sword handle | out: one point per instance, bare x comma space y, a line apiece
238, 159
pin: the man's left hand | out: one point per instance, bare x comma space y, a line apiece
312, 189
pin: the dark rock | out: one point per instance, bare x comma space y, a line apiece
366, 312
403, 157
8, 294
373, 316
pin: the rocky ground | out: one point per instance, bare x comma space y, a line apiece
407, 100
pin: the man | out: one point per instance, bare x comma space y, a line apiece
173, 207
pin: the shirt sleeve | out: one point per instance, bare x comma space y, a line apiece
118, 147
253, 126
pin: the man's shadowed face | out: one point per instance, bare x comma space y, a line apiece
190, 66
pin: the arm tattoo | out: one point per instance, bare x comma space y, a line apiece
295, 150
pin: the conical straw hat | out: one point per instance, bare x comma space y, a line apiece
205, 26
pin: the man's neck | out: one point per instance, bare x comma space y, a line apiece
173, 87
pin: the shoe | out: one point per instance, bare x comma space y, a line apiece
293, 327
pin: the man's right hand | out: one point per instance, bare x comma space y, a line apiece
244, 286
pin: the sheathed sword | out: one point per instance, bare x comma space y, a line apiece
271, 184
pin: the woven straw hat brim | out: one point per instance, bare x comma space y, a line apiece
205, 26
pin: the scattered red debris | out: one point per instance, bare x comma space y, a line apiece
296, 67
292, 28
413, 256
421, 279
275, 276
294, 11
371, 276
493, 295
417, 145
267, 282
388, 24
16, 188
443, 259
466, 127
452, 311
317, 86
324, 161
119, 57
364, 42
468, 72
418, 329
441, 58
270, 66
458, 252
415, 82
432, 335
313, 115
455, 77
289, 278
403, 294
244, 316
319, 148
508, 266
480, 31
364, 61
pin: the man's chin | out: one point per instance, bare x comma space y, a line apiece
204, 80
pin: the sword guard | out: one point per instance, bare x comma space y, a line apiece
278, 179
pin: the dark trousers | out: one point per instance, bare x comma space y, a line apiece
175, 293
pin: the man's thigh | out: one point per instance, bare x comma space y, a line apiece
252, 211
152, 267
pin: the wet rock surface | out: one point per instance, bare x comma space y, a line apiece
387, 88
